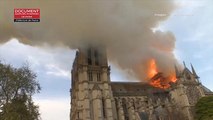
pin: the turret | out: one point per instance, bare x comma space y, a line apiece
177, 73
193, 72
184, 64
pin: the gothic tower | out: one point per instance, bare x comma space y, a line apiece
95, 97
91, 94
187, 91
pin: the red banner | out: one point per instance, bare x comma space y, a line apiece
26, 13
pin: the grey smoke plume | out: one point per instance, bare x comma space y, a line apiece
123, 26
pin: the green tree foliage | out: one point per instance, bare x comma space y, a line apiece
204, 108
21, 108
17, 85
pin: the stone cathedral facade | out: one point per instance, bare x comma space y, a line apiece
95, 97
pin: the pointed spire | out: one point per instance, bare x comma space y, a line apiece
184, 64
193, 71
176, 72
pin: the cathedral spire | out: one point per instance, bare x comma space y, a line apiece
176, 72
184, 64
193, 71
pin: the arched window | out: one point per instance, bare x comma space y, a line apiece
96, 57
90, 76
98, 76
124, 105
103, 108
89, 56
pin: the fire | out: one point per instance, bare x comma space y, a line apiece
173, 78
156, 78
152, 68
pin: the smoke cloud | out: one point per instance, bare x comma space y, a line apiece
123, 26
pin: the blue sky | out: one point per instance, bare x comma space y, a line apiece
191, 24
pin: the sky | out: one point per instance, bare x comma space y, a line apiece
191, 24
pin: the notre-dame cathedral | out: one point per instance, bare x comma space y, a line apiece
95, 97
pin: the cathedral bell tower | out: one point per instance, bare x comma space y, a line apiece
91, 94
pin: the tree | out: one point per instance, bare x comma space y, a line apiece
17, 85
204, 108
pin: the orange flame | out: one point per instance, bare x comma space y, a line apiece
156, 78
152, 68
173, 78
